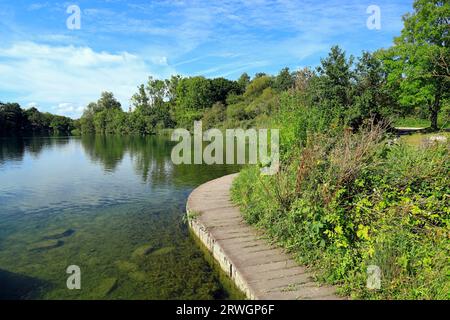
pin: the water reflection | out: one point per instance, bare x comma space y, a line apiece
119, 195
150, 156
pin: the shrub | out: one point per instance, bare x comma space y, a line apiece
345, 201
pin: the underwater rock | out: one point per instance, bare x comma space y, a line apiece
46, 245
107, 286
126, 266
58, 234
131, 269
138, 276
144, 250
162, 251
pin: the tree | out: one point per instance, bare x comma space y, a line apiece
419, 63
2, 119
157, 92
302, 79
243, 82
222, 87
36, 120
172, 85
16, 121
373, 98
87, 119
13, 118
259, 75
195, 93
99, 116
334, 86
257, 86
140, 101
284, 80
61, 124
107, 102
214, 116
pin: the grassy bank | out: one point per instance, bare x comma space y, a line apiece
389, 207
416, 122
345, 200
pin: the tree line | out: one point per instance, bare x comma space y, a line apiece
17, 121
410, 78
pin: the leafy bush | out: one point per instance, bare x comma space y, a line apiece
345, 201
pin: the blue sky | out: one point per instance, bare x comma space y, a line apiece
121, 43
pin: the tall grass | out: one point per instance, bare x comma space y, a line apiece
345, 200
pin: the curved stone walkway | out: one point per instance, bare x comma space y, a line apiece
260, 270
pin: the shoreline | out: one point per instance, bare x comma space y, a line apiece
260, 270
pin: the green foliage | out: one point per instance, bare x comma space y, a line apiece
194, 93
343, 204
418, 63
334, 85
344, 198
284, 80
243, 82
257, 86
214, 116
107, 102
372, 98
16, 121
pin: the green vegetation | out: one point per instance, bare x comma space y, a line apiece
348, 195
418, 63
420, 139
16, 121
416, 122
407, 84
346, 201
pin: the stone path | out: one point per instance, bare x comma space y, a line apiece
260, 270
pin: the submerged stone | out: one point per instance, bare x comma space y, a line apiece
131, 269
107, 286
163, 251
58, 234
138, 276
46, 245
144, 250
126, 266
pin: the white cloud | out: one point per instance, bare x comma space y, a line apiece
31, 105
68, 109
37, 6
63, 79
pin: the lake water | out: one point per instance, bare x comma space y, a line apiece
111, 205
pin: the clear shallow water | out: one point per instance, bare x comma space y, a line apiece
111, 205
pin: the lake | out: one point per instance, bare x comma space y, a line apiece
113, 206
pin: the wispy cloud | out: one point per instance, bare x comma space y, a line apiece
121, 42
67, 78
38, 6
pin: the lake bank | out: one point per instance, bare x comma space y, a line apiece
260, 270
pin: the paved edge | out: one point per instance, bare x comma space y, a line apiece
259, 270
